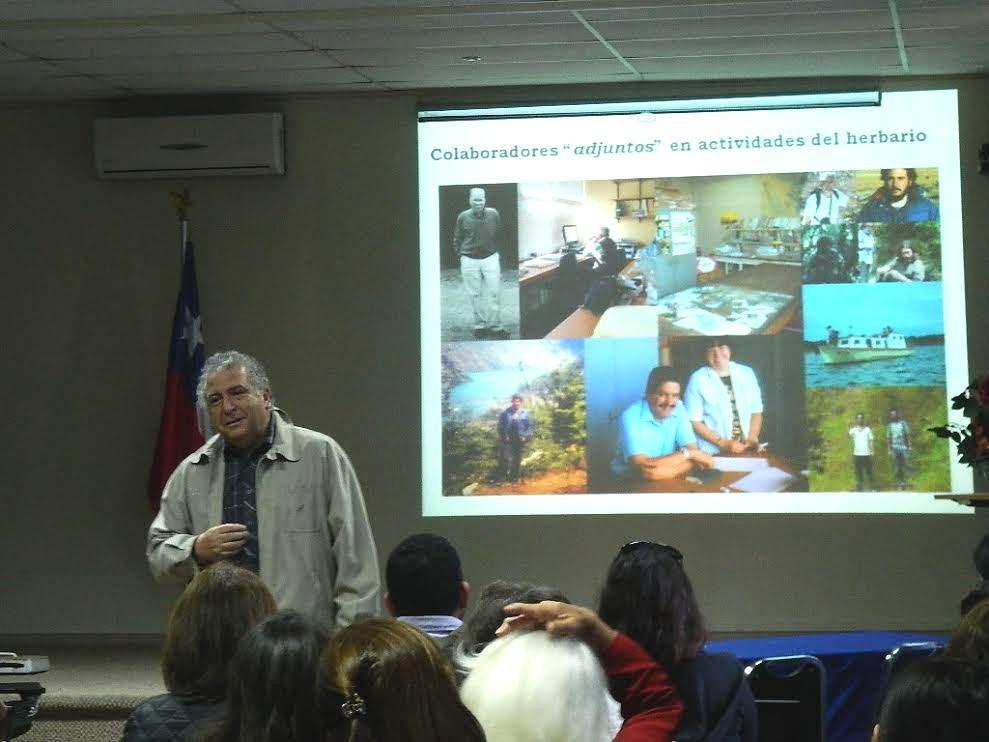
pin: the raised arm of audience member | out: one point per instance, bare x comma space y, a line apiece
650, 705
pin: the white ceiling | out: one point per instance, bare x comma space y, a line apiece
71, 49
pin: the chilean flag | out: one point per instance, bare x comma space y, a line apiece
180, 432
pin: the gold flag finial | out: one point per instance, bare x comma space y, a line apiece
181, 201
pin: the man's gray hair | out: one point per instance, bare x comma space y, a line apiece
257, 377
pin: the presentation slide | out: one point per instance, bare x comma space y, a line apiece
741, 311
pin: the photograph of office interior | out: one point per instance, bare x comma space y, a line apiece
714, 255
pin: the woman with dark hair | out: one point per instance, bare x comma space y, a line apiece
219, 606
936, 699
648, 596
275, 692
388, 682
970, 639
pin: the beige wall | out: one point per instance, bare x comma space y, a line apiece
316, 273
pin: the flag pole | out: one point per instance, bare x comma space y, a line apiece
182, 201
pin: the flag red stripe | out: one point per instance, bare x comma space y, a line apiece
178, 435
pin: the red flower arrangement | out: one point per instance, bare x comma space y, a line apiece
972, 440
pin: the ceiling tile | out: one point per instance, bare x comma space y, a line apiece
32, 69
464, 22
21, 10
199, 63
755, 45
208, 79
493, 73
7, 54
138, 27
509, 36
158, 46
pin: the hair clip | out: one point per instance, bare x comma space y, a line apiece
353, 707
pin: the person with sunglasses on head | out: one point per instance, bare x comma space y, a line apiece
647, 595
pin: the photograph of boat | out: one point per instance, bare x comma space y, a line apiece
873, 335
863, 348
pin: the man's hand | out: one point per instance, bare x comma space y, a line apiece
731, 446
702, 459
561, 619
220, 542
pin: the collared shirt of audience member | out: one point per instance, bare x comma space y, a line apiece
476, 239
425, 585
905, 267
655, 438
898, 446
275, 497
825, 204
863, 448
724, 402
515, 430
900, 200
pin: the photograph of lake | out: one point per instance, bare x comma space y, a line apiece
923, 367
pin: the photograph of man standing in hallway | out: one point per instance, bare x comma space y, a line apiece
479, 262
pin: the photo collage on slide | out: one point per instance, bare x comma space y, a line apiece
801, 315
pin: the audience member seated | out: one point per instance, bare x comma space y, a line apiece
275, 690
548, 686
981, 591
487, 615
219, 606
970, 639
425, 585
648, 596
936, 699
388, 682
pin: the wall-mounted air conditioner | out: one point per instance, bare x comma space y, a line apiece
188, 146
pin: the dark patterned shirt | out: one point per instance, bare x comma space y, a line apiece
736, 425
240, 495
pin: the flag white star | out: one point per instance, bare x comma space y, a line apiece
192, 332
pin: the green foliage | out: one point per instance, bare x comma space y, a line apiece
830, 414
557, 406
924, 237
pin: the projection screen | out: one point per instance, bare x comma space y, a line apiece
797, 274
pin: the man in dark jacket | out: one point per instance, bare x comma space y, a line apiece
899, 201
515, 429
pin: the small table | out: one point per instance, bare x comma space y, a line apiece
723, 483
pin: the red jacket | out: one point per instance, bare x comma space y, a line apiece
650, 704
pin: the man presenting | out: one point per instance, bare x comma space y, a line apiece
515, 430
899, 201
275, 498
724, 402
475, 241
655, 440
